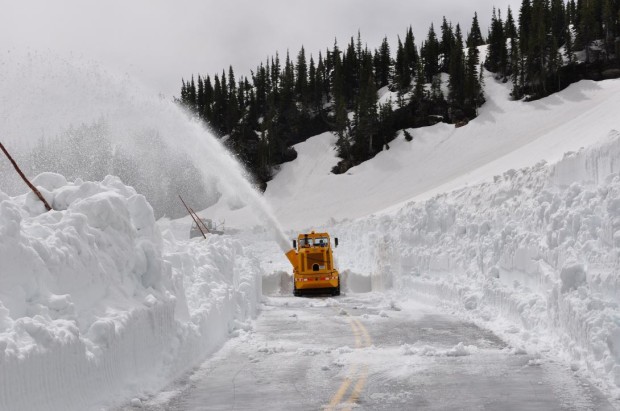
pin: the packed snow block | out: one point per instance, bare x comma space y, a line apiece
96, 307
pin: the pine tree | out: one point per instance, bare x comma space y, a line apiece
474, 39
538, 48
511, 34
411, 56
366, 113
312, 86
472, 88
419, 92
301, 85
191, 95
384, 63
446, 45
200, 97
587, 27
208, 107
349, 73
457, 70
558, 21
430, 54
525, 18
219, 106
232, 107
399, 67
343, 142
497, 59
610, 15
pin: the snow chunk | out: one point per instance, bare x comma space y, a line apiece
461, 350
49, 181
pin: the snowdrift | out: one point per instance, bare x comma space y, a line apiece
533, 254
96, 304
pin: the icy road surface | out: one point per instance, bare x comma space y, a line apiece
359, 352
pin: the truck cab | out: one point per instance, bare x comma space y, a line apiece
313, 264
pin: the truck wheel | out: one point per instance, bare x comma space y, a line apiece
336, 290
296, 292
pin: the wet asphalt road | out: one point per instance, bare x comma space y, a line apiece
360, 353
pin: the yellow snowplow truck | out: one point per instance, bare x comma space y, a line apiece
313, 265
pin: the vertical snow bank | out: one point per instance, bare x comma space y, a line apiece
96, 305
537, 248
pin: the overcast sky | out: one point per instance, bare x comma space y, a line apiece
159, 42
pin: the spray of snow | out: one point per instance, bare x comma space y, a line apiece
42, 95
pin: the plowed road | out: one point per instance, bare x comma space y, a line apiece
362, 353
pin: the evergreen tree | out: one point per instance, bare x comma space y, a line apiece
497, 59
558, 21
430, 54
200, 97
219, 107
232, 107
341, 126
511, 34
538, 48
399, 67
419, 91
384, 63
474, 39
456, 83
610, 17
301, 85
446, 45
191, 95
411, 56
365, 119
472, 88
525, 18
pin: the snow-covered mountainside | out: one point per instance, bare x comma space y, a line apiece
96, 305
507, 134
511, 221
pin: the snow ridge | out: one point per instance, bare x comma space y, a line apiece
97, 305
536, 248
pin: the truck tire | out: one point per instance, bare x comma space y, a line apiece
296, 292
336, 290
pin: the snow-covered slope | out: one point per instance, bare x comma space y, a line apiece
507, 134
96, 305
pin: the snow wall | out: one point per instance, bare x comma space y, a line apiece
96, 304
534, 254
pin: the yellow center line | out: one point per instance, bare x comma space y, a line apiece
361, 382
361, 333
352, 371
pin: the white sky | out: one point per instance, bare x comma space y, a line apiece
160, 41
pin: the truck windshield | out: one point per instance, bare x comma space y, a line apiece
317, 242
